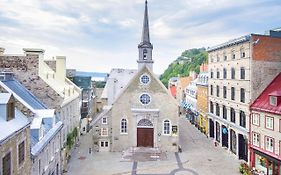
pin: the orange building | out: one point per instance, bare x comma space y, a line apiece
202, 98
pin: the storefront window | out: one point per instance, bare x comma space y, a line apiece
260, 163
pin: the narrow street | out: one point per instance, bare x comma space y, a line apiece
199, 157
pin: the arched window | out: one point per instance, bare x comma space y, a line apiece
144, 54
212, 74
124, 126
166, 127
242, 53
218, 73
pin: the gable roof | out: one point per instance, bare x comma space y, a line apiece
5, 97
262, 102
145, 68
117, 80
25, 96
8, 128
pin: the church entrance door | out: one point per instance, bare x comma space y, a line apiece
145, 137
145, 133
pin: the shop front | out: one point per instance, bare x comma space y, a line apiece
265, 163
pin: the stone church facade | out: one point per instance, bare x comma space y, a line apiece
139, 110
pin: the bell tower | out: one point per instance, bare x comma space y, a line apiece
145, 47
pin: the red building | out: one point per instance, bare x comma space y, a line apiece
265, 130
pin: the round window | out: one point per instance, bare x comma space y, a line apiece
144, 79
145, 99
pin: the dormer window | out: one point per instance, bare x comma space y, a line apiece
273, 100
10, 111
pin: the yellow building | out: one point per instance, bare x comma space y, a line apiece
202, 98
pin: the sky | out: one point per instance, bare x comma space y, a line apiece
98, 35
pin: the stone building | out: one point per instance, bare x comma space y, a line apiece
265, 128
202, 98
45, 129
239, 70
47, 81
140, 112
14, 138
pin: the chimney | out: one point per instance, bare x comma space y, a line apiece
60, 68
33, 51
2, 50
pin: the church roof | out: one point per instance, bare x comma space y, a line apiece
117, 80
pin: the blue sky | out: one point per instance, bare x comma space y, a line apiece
97, 35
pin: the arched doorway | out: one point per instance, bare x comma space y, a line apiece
145, 133
224, 132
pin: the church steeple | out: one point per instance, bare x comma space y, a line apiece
145, 47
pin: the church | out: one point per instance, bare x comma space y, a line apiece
138, 109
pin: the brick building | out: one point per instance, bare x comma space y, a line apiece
265, 129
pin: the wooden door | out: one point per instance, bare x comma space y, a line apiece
145, 137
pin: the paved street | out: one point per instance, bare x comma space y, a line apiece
199, 157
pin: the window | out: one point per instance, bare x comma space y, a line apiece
232, 115
21, 152
212, 74
124, 127
6, 164
233, 54
256, 139
242, 119
218, 73
232, 73
224, 92
144, 54
211, 89
212, 59
11, 111
256, 119
144, 79
166, 127
218, 91
224, 112
269, 122
242, 73
242, 53
224, 73
273, 100
104, 144
232, 93
145, 99
104, 132
269, 144
218, 58
242, 95
211, 107
217, 109
104, 120
224, 56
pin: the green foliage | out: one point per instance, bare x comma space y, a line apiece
70, 139
190, 60
100, 84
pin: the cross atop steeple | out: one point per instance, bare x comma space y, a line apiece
145, 47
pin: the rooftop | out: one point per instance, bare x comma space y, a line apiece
262, 102
8, 128
4, 98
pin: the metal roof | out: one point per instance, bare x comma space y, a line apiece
262, 102
24, 94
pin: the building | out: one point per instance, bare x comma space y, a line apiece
265, 128
191, 100
183, 82
140, 112
46, 80
88, 98
202, 98
172, 86
239, 69
45, 129
14, 138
